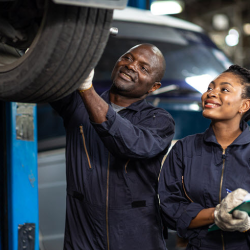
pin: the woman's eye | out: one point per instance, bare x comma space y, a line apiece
209, 89
225, 90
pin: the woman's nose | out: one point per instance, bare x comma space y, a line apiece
212, 93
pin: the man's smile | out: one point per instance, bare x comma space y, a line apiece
125, 75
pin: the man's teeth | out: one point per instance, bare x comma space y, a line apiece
127, 76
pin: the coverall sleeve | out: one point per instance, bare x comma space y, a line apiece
149, 137
66, 106
177, 211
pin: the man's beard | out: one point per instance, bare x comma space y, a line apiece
120, 88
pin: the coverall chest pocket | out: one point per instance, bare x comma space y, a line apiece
85, 149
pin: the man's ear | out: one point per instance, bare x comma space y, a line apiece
156, 86
245, 106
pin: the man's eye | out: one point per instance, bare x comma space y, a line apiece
225, 90
126, 57
144, 69
209, 89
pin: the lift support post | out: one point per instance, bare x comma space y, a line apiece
18, 176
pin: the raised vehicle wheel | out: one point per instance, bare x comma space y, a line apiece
66, 45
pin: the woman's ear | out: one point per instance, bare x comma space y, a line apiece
245, 106
156, 86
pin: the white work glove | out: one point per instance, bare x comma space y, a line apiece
243, 216
87, 84
237, 221
234, 198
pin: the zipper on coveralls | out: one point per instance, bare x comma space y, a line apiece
220, 194
182, 179
84, 144
107, 203
126, 166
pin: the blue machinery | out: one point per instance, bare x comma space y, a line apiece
19, 221
18, 177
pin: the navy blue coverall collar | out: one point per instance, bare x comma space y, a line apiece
136, 106
243, 138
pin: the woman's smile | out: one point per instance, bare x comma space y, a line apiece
211, 104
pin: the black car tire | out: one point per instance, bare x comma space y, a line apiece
66, 48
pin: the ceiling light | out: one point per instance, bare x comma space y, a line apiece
246, 28
232, 39
233, 32
220, 22
166, 7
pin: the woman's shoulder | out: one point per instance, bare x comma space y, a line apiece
191, 138
189, 144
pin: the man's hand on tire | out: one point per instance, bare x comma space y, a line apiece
87, 84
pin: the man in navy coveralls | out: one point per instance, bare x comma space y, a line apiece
115, 145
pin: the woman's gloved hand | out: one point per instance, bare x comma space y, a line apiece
234, 198
243, 216
237, 221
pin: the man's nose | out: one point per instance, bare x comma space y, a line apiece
132, 66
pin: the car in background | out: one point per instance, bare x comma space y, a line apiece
192, 60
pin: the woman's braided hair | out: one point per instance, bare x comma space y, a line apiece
244, 75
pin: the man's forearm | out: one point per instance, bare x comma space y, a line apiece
97, 108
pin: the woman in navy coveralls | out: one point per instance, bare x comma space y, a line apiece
201, 168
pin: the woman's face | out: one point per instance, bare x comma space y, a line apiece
222, 100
